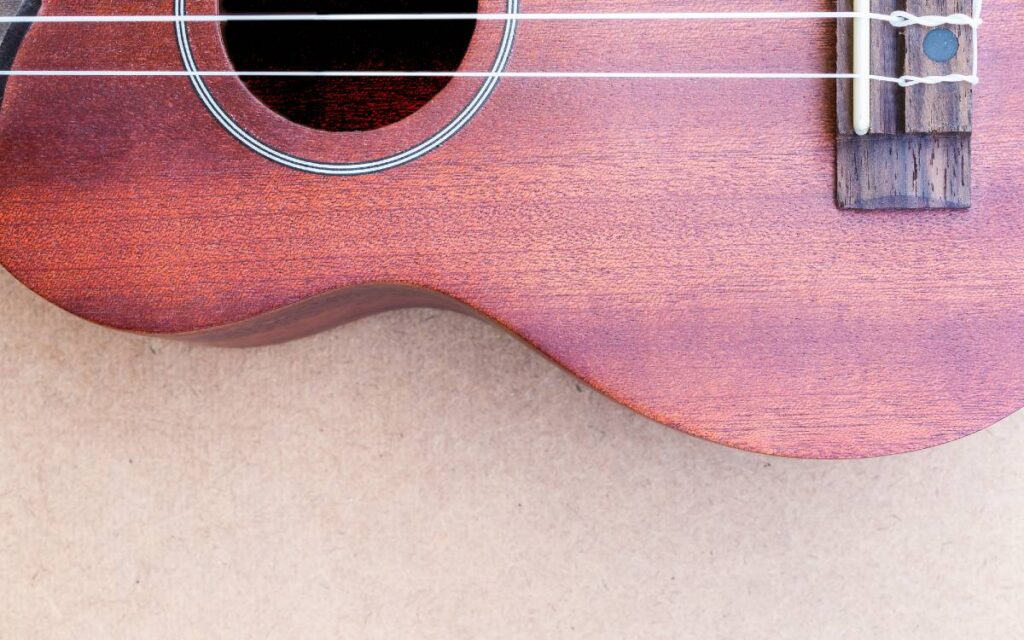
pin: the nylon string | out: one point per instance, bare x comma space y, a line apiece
897, 19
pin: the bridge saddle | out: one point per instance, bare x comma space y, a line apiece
916, 153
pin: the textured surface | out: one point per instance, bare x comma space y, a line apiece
675, 244
890, 168
944, 107
425, 475
7, 8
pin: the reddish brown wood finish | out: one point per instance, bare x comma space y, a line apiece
675, 244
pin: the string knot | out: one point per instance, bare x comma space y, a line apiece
903, 19
910, 81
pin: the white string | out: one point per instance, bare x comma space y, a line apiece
898, 19
655, 75
902, 18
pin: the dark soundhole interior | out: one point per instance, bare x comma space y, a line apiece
347, 104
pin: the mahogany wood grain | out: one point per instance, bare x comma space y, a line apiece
674, 244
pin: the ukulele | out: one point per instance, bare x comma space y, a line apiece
795, 232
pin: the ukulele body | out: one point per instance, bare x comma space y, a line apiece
674, 243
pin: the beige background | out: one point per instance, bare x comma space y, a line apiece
423, 475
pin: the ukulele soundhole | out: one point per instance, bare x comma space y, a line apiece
347, 104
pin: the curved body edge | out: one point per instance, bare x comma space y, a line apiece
674, 244
322, 312
333, 309
352, 303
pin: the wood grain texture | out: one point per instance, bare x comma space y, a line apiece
918, 154
908, 171
674, 244
938, 108
887, 45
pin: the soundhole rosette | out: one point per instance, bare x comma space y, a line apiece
255, 126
